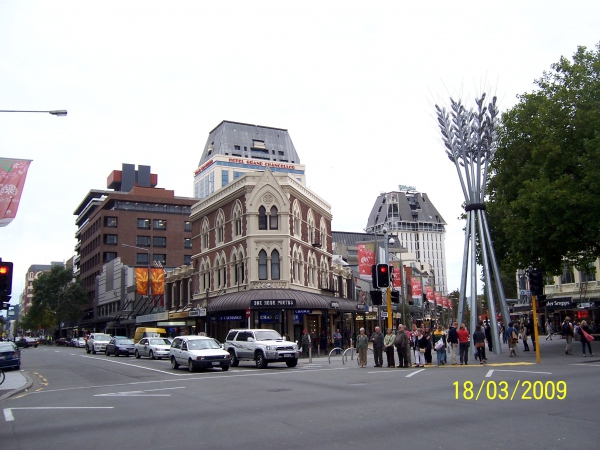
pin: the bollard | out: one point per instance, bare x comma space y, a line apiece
310, 354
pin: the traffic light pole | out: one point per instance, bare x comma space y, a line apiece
388, 291
535, 329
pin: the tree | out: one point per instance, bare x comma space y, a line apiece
56, 294
544, 183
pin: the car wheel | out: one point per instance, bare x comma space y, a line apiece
261, 362
137, 355
174, 364
106, 352
151, 354
93, 350
116, 352
191, 366
225, 368
293, 363
35, 346
234, 361
87, 350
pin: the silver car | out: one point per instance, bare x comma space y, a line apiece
153, 347
198, 352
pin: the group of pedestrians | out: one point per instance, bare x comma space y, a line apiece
578, 331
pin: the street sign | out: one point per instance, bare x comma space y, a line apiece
247, 312
524, 292
384, 314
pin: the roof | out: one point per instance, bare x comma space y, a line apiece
304, 300
404, 206
252, 141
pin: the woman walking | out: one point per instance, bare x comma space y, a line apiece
549, 329
362, 344
513, 338
464, 342
524, 337
479, 343
421, 348
441, 352
584, 327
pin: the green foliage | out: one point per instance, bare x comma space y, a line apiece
544, 184
57, 297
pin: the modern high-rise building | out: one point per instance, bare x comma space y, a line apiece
233, 149
412, 218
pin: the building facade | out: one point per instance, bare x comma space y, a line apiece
412, 219
134, 221
33, 273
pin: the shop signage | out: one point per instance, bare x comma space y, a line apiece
200, 312
334, 304
303, 311
273, 303
266, 317
172, 323
587, 305
152, 317
560, 304
360, 306
384, 314
227, 317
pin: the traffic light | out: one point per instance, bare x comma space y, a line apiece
536, 282
6, 274
395, 296
383, 275
376, 297
5, 302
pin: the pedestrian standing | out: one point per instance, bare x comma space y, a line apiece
479, 343
530, 332
428, 356
421, 343
488, 336
464, 342
377, 339
549, 329
362, 344
524, 337
584, 327
306, 342
441, 352
388, 347
453, 342
513, 338
337, 341
413, 343
402, 345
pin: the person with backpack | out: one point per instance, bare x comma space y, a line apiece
567, 332
453, 343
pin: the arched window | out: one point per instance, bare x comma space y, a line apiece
262, 218
237, 220
274, 265
273, 219
262, 265
220, 228
297, 220
323, 235
310, 223
205, 229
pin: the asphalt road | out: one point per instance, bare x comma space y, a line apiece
80, 401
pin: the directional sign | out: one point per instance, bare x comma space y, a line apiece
384, 314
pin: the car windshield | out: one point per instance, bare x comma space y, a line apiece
268, 335
102, 337
202, 344
5, 347
160, 342
124, 341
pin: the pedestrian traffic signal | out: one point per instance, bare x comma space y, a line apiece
395, 297
5, 302
376, 297
6, 273
383, 275
536, 282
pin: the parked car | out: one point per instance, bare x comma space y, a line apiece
198, 352
261, 346
63, 342
120, 345
10, 355
153, 347
27, 341
79, 342
97, 343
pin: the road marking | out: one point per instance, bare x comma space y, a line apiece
144, 393
585, 364
489, 374
136, 366
414, 373
8, 415
511, 364
522, 371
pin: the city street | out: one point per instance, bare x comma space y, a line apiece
97, 402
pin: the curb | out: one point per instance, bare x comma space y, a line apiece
25, 387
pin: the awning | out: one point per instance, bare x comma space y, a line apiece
280, 299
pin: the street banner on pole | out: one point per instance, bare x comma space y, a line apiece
12, 179
430, 294
366, 259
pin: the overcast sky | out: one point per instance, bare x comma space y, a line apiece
355, 84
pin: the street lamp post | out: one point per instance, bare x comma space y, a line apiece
146, 250
54, 112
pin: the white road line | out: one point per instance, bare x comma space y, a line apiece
585, 364
8, 415
414, 373
489, 374
522, 371
136, 366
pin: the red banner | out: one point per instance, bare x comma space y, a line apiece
415, 283
430, 293
12, 179
366, 259
157, 281
397, 274
438, 299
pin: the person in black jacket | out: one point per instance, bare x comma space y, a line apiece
453, 343
584, 327
488, 334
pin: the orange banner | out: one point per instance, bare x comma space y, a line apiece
157, 281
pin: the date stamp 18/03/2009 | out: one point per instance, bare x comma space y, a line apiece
522, 390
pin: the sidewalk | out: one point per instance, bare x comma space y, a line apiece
15, 382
